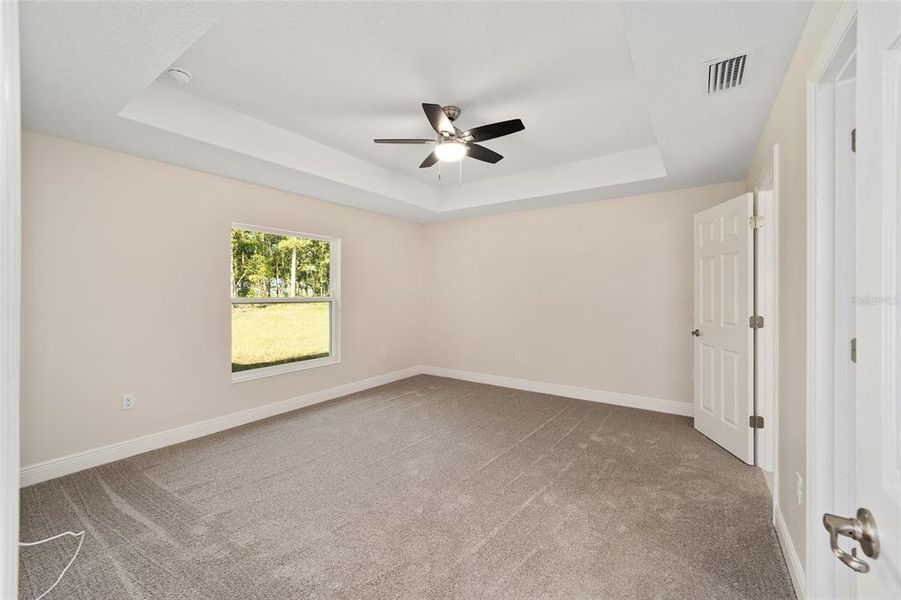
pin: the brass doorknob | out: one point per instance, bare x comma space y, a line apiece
696, 332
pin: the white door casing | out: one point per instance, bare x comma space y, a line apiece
878, 298
723, 352
829, 473
10, 291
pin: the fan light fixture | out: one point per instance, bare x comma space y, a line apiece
452, 145
450, 151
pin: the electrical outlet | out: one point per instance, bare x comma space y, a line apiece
799, 481
517, 356
128, 401
383, 352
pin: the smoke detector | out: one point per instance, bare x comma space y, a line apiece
724, 74
179, 76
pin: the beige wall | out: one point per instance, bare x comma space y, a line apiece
595, 295
787, 127
125, 289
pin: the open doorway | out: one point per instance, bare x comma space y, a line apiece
735, 322
735, 378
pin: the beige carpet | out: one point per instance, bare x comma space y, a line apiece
424, 488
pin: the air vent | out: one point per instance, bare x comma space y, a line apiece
725, 74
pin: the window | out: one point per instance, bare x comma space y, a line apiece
284, 301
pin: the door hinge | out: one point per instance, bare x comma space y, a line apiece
854, 140
854, 349
755, 422
755, 322
756, 221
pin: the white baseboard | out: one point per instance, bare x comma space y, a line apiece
795, 566
569, 391
79, 461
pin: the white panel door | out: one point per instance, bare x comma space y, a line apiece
723, 343
878, 302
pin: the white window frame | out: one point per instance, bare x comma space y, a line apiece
334, 313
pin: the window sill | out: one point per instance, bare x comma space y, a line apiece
303, 365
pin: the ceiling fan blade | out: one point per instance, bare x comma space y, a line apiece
482, 153
403, 141
495, 130
430, 160
437, 118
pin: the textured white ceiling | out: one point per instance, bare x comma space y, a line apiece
343, 75
290, 95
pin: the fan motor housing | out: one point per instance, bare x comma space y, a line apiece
452, 112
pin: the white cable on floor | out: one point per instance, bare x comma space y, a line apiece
79, 535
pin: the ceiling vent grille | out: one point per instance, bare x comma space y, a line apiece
724, 74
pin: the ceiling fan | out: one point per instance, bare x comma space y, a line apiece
452, 145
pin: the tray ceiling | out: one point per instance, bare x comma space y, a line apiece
290, 95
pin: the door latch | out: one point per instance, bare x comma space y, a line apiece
861, 529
